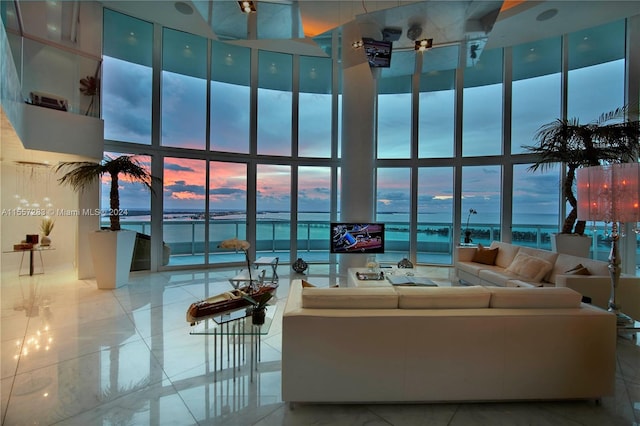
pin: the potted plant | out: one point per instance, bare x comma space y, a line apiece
612, 138
258, 308
46, 226
467, 233
112, 250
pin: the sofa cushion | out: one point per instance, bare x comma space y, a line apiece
470, 267
566, 262
443, 297
349, 298
534, 297
531, 267
486, 256
496, 276
578, 270
549, 256
506, 252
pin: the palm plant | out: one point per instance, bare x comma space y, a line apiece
80, 174
612, 138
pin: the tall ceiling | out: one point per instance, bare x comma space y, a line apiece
442, 20
303, 27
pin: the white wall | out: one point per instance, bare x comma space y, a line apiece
50, 136
35, 183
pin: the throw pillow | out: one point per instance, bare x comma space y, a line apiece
307, 284
578, 270
530, 267
486, 256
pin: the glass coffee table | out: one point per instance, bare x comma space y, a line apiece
234, 331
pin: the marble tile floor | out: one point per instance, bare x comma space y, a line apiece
75, 355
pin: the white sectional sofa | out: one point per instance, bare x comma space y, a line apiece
593, 282
421, 344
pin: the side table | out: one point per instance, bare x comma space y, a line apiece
273, 261
38, 249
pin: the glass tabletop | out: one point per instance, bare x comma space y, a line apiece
235, 323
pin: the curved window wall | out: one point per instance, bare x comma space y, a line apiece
236, 139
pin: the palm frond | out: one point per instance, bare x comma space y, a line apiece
80, 174
609, 139
618, 113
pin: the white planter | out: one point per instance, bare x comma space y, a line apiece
573, 244
112, 252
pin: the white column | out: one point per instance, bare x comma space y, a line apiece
359, 95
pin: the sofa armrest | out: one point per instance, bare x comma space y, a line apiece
465, 254
598, 288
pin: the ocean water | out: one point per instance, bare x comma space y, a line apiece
189, 226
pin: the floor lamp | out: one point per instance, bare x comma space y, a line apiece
611, 193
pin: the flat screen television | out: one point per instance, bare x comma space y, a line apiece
378, 52
357, 237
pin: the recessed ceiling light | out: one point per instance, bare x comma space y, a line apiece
547, 14
183, 8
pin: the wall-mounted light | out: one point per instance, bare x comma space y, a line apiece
424, 44
247, 6
357, 44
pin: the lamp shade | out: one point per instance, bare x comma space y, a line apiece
609, 193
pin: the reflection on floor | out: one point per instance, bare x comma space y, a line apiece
72, 354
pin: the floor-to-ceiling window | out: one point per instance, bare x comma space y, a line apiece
273, 206
314, 212
240, 153
184, 192
392, 208
435, 215
227, 207
535, 205
481, 202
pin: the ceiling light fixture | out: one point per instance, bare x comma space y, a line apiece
546, 15
247, 6
183, 8
424, 44
357, 44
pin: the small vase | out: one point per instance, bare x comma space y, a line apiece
405, 263
258, 316
467, 237
45, 241
299, 266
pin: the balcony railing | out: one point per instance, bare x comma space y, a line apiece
435, 240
